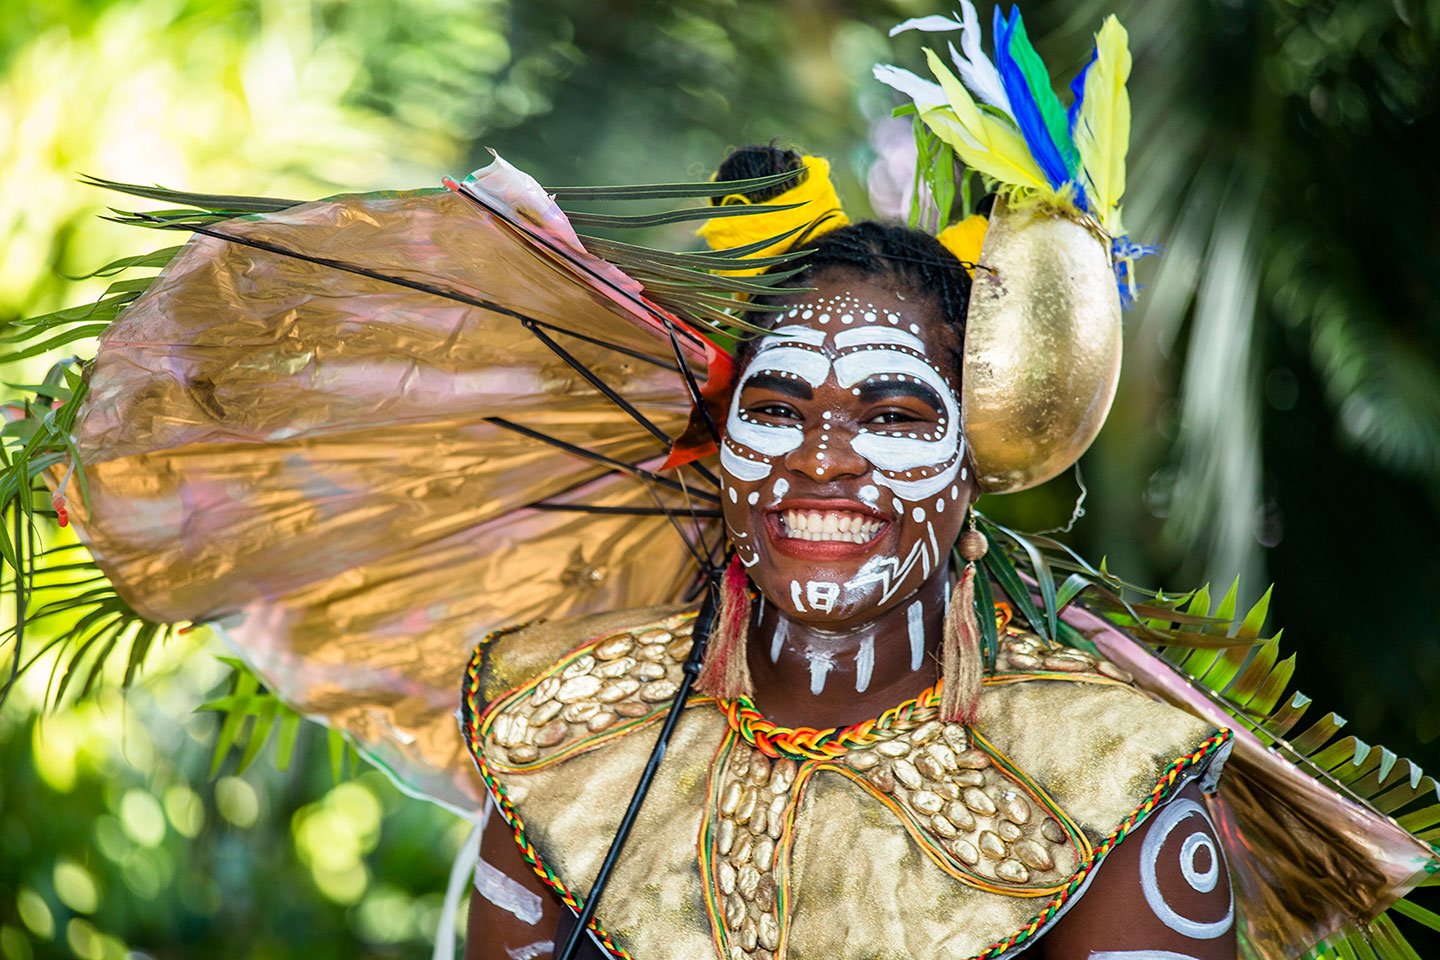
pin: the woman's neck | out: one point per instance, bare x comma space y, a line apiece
806, 675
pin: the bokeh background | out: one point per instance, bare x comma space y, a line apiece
1278, 420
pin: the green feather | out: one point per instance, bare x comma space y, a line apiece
1037, 78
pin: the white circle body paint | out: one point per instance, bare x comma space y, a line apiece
1166, 821
1201, 881
754, 498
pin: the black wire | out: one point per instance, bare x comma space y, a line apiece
597, 383
621, 511
700, 636
620, 465
569, 257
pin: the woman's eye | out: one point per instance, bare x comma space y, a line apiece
896, 417
774, 411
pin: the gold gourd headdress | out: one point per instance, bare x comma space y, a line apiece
1043, 335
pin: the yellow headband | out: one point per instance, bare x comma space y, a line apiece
964, 239
821, 208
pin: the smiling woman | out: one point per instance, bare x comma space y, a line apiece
846, 479
841, 803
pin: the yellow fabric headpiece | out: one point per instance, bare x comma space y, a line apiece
821, 208
964, 239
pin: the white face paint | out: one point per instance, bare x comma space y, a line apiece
795, 355
821, 594
859, 374
1201, 879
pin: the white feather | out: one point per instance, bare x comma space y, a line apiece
931, 24
975, 69
926, 94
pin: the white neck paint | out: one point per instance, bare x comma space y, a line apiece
915, 621
778, 642
864, 664
1139, 955
821, 663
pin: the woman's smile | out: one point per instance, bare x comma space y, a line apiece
828, 528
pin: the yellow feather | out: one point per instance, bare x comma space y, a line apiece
983, 142
1102, 132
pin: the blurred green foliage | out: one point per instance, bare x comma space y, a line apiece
1279, 416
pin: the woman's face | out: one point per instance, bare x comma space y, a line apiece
844, 466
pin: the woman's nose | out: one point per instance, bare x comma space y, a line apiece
826, 452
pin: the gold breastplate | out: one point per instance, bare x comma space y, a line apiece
904, 837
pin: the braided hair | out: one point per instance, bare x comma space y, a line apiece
912, 260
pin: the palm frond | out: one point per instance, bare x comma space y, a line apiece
1225, 657
203, 201
254, 717
689, 214
670, 191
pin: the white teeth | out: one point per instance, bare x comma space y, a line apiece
844, 526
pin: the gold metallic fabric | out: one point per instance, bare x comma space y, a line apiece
305, 457
1042, 346
742, 855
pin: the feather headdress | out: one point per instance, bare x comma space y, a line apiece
1004, 120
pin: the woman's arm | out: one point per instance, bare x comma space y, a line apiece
1162, 894
512, 914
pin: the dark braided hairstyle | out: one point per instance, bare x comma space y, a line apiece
747, 163
911, 260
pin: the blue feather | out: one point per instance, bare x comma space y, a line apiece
1023, 105
1077, 90
1124, 252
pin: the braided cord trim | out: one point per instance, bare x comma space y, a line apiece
1163, 788
471, 722
809, 743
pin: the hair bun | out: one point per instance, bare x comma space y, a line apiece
759, 160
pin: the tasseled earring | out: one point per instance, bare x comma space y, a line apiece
726, 671
961, 663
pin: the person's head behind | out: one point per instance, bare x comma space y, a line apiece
845, 469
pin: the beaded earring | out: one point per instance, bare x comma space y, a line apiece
726, 671
961, 663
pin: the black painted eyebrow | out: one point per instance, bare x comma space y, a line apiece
798, 389
877, 391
